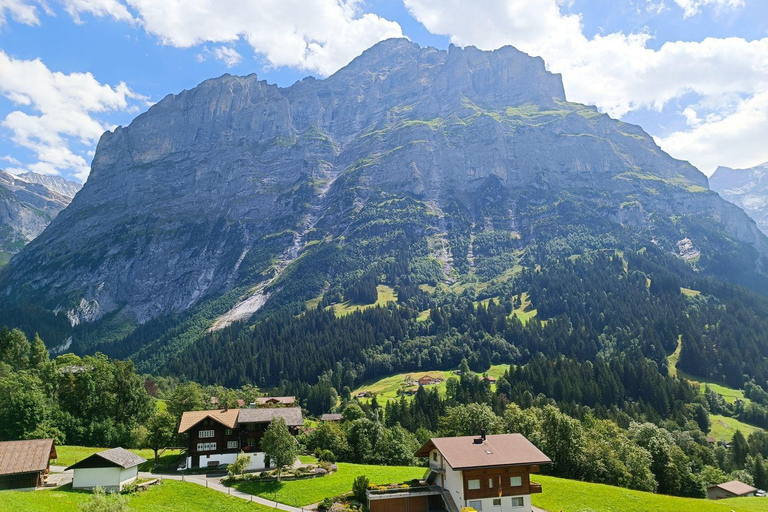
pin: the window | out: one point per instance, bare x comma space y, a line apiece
497, 502
434, 456
518, 502
228, 432
515, 481
205, 433
206, 447
476, 504
473, 484
231, 444
490, 483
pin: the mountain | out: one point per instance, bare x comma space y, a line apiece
411, 167
28, 203
747, 188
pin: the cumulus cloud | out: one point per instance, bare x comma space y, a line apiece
618, 72
99, 8
57, 113
21, 11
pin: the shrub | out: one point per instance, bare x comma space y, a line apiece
327, 456
326, 504
359, 487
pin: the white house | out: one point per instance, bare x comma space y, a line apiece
486, 473
110, 469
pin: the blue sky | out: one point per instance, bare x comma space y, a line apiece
693, 73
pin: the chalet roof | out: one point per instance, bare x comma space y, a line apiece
110, 458
291, 415
227, 418
331, 417
28, 456
496, 450
282, 400
735, 487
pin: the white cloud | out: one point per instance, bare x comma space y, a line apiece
618, 72
737, 140
693, 7
56, 113
99, 8
228, 55
21, 11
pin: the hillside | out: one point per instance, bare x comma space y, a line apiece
28, 203
746, 188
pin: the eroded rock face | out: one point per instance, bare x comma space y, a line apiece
28, 203
222, 186
746, 188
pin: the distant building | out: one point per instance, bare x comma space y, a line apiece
286, 401
711, 441
428, 380
331, 417
490, 379
216, 437
732, 489
487, 473
25, 464
111, 470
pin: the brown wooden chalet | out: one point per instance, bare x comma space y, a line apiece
490, 473
215, 437
25, 464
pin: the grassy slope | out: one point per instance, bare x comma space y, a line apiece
68, 455
575, 496
385, 294
306, 492
386, 387
722, 427
167, 497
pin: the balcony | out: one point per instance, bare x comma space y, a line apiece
399, 492
435, 466
534, 488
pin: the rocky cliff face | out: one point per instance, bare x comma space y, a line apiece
28, 203
241, 189
747, 188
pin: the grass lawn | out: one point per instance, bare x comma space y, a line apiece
68, 455
575, 496
306, 492
523, 312
168, 497
386, 388
723, 427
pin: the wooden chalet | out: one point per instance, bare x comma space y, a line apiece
25, 464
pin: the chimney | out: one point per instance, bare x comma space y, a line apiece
482, 434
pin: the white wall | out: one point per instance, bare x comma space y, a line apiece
506, 504
454, 484
111, 479
257, 459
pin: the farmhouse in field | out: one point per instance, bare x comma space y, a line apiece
285, 401
216, 437
111, 470
490, 473
428, 380
25, 464
732, 489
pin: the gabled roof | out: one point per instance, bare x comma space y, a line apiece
282, 400
291, 415
735, 487
110, 458
331, 417
227, 418
28, 456
496, 450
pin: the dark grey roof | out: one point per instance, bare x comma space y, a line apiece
114, 457
291, 415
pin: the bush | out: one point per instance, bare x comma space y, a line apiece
359, 488
238, 467
324, 505
327, 456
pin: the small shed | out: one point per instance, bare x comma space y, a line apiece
331, 417
25, 464
732, 489
111, 470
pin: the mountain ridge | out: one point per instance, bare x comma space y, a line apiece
238, 190
746, 188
